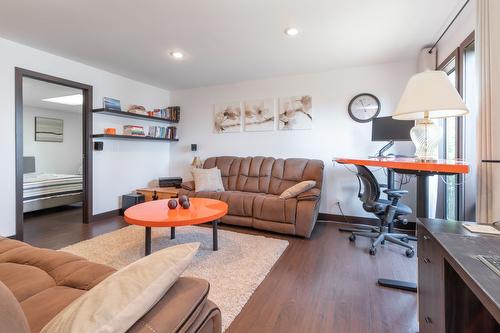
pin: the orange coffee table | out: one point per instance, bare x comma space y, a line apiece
157, 214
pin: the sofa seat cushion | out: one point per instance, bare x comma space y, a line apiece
12, 315
24, 281
273, 208
240, 203
44, 306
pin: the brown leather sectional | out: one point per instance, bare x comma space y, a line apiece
46, 281
252, 189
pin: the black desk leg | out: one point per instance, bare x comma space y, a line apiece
422, 196
398, 284
148, 241
215, 240
172, 232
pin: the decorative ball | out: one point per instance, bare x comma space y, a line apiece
183, 198
172, 204
186, 204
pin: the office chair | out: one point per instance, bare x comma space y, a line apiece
387, 211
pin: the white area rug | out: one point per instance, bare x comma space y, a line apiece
234, 272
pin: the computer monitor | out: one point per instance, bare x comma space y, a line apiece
388, 129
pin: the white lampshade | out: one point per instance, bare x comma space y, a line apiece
430, 95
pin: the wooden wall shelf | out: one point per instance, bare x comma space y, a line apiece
130, 137
132, 115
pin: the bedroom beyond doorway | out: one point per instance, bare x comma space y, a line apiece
52, 168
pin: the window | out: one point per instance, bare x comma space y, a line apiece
457, 198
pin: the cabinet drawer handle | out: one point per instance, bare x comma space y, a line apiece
428, 320
427, 260
426, 237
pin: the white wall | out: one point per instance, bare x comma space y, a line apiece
123, 165
48, 154
334, 133
461, 28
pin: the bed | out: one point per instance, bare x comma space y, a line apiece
47, 190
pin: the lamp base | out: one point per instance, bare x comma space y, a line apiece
426, 136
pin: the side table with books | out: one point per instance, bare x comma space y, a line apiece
158, 193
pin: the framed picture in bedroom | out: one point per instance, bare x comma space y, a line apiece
259, 115
295, 113
49, 129
227, 117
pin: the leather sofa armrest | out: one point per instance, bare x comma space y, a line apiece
189, 185
312, 194
178, 310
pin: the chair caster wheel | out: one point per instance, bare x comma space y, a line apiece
352, 238
382, 242
405, 239
373, 251
410, 253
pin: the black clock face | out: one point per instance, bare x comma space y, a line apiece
364, 107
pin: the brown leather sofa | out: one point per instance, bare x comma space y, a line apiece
45, 281
252, 188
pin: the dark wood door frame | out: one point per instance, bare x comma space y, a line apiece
21, 73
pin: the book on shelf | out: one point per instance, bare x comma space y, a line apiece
171, 113
133, 130
162, 132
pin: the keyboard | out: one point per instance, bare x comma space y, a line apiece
493, 262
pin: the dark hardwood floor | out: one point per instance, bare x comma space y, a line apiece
324, 284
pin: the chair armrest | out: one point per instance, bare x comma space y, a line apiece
396, 193
311, 194
189, 185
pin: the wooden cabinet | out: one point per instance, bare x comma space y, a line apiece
160, 192
456, 292
430, 286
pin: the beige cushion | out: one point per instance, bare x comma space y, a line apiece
116, 303
11, 315
297, 189
207, 180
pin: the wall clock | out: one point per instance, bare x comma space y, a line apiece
364, 107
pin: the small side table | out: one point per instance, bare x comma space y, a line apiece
158, 193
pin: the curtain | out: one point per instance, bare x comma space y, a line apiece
488, 64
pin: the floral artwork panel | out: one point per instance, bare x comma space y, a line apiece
227, 117
259, 115
295, 113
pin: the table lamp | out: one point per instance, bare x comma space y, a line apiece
429, 95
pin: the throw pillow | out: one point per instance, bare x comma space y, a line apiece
11, 315
207, 180
116, 303
297, 189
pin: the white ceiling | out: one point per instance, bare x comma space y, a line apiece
225, 41
34, 91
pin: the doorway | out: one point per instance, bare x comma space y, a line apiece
53, 150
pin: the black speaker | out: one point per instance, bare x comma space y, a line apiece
132, 199
98, 145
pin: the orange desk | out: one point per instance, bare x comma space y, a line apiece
413, 166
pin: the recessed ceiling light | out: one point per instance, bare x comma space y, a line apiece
67, 100
177, 54
291, 31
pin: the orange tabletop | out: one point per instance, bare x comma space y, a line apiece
404, 163
157, 214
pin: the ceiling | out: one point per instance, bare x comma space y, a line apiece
225, 41
34, 91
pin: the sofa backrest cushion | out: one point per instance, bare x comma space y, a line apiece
265, 174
